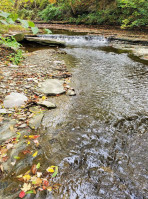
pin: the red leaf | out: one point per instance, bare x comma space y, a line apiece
22, 194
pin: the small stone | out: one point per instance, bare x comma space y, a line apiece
23, 126
71, 92
47, 104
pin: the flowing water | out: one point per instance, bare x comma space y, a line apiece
99, 138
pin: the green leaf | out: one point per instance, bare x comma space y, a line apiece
35, 30
31, 24
38, 166
24, 23
16, 157
55, 172
10, 21
14, 16
28, 192
3, 22
48, 31
4, 14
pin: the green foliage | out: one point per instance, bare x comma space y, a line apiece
17, 57
133, 13
126, 13
9, 42
52, 12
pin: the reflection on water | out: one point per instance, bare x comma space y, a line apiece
100, 141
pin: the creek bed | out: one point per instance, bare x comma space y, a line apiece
99, 137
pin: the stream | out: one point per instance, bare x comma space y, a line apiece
99, 137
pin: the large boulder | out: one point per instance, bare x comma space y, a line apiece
51, 87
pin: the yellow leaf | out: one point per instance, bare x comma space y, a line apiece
27, 172
28, 142
50, 169
26, 177
44, 97
49, 188
35, 154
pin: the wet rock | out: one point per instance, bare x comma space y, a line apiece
45, 41
14, 100
23, 126
51, 87
4, 111
71, 92
6, 131
35, 109
19, 36
35, 122
47, 104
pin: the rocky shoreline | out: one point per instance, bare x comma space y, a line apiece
26, 93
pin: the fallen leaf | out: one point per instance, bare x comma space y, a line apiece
29, 192
9, 146
35, 154
38, 166
16, 157
34, 169
45, 182
26, 151
26, 177
39, 174
43, 97
56, 171
33, 136
22, 194
28, 142
49, 188
38, 181
50, 170
26, 187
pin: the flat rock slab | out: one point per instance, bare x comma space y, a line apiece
35, 122
51, 87
45, 41
14, 100
47, 104
6, 131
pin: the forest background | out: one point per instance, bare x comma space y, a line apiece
124, 13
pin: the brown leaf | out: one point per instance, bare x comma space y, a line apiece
34, 169
26, 151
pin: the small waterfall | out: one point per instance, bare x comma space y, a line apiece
87, 40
